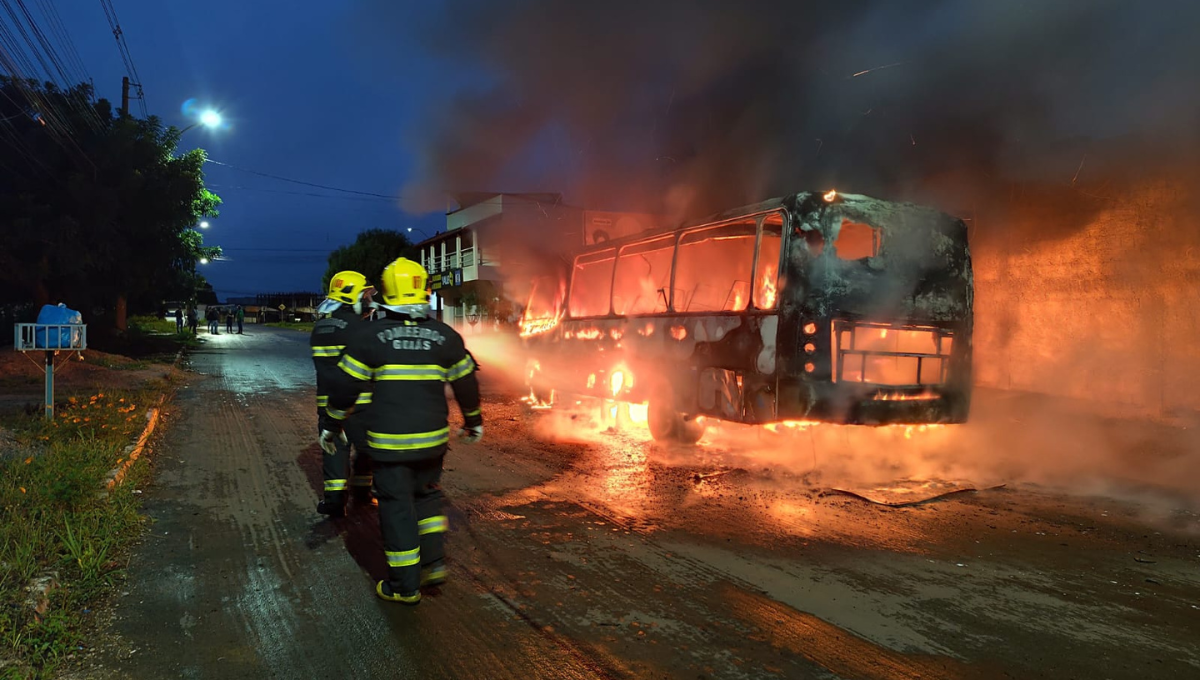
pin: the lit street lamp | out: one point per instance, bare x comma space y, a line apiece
204, 224
204, 260
209, 119
420, 231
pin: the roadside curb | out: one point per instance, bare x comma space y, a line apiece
39, 588
134, 451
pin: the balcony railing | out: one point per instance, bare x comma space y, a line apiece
440, 263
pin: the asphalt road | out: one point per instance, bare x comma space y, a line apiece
579, 552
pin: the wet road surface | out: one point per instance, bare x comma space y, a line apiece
600, 555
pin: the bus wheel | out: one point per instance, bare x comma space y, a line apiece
690, 431
668, 425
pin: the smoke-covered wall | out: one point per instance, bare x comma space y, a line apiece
1109, 313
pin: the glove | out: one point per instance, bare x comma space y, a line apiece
470, 435
326, 440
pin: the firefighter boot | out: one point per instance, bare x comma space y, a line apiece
433, 574
334, 506
384, 590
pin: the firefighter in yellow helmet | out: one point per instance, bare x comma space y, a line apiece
405, 359
346, 306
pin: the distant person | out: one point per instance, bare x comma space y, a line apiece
179, 319
210, 315
241, 318
228, 320
193, 320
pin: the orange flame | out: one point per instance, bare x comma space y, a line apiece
830, 195
617, 382
767, 292
678, 332
900, 396
588, 334
531, 327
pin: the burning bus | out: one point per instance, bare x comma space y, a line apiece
817, 306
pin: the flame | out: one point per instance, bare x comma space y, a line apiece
588, 334
900, 396
531, 327
830, 195
617, 382
801, 425
647, 330
615, 333
678, 332
810, 328
639, 413
790, 425
767, 292
537, 404
591, 381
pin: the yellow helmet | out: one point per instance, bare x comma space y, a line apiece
404, 285
347, 288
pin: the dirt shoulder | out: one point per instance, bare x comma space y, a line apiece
66, 535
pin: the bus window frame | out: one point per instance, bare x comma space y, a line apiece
574, 272
758, 218
677, 236
783, 230
674, 239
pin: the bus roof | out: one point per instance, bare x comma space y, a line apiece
804, 201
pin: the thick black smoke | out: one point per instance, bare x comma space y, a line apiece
690, 106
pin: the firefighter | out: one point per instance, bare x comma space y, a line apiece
405, 359
347, 304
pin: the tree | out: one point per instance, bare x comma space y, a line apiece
95, 209
371, 251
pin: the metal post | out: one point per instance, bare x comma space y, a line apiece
50, 386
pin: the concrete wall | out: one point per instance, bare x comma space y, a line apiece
1091, 293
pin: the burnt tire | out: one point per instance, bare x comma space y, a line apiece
668, 425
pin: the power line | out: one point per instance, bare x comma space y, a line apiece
68, 80
282, 250
302, 182
15, 57
123, 47
64, 37
302, 193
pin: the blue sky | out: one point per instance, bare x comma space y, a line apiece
303, 99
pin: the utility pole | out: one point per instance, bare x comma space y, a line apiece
125, 96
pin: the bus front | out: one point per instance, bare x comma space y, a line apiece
875, 313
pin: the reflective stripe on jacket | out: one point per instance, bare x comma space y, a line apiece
405, 364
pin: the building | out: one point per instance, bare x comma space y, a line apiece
496, 243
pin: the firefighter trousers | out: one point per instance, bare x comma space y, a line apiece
411, 519
337, 470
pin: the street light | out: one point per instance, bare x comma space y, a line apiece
208, 118
420, 231
204, 224
204, 260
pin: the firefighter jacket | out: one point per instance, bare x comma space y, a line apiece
405, 363
328, 339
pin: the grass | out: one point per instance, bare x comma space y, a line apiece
147, 338
305, 326
56, 522
152, 325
